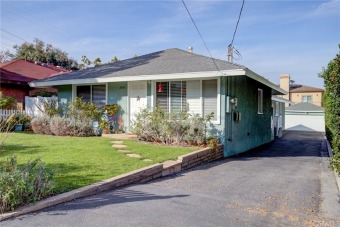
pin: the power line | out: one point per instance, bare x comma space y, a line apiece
13, 35
239, 17
200, 35
9, 39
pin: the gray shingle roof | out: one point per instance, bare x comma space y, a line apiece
305, 107
162, 62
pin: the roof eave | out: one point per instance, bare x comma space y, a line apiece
279, 99
275, 89
173, 76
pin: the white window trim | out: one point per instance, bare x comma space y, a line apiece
261, 90
218, 115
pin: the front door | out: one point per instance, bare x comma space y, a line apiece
138, 101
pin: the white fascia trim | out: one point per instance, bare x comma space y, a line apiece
174, 76
304, 111
266, 82
282, 100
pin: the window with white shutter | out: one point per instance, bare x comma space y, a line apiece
195, 96
209, 95
194, 103
162, 99
99, 95
178, 96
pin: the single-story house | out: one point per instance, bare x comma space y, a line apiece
16, 74
174, 80
305, 116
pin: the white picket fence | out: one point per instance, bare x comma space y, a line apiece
7, 113
31, 107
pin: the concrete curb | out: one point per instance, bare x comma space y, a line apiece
336, 175
137, 176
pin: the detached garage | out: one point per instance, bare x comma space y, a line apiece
305, 117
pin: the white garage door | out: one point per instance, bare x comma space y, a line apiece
305, 123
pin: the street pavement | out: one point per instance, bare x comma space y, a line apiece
284, 183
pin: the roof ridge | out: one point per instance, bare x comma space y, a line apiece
223, 61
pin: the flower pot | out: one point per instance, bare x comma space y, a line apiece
105, 131
18, 127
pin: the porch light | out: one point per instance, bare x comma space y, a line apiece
160, 90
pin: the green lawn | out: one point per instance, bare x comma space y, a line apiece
78, 161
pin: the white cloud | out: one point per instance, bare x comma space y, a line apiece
327, 8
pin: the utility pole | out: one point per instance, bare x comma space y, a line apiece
230, 53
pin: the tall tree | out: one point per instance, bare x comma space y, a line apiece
85, 62
38, 51
97, 62
114, 59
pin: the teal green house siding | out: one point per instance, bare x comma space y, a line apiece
64, 92
253, 129
64, 95
118, 94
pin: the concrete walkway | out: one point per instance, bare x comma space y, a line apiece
285, 183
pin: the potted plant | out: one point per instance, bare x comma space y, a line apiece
18, 120
120, 125
26, 122
104, 125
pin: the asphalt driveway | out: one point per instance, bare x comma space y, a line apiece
285, 183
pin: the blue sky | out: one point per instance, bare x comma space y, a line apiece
273, 37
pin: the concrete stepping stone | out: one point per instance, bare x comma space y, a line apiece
117, 142
133, 155
119, 146
123, 151
147, 160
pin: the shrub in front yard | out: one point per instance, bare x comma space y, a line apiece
82, 110
67, 126
174, 128
60, 126
21, 186
41, 125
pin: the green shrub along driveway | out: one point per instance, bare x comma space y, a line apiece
80, 161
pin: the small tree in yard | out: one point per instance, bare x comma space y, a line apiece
331, 76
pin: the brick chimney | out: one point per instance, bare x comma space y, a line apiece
284, 84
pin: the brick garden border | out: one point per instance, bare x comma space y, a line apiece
142, 175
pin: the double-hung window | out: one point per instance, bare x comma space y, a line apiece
306, 98
171, 96
92, 93
195, 96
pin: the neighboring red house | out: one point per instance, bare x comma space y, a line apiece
16, 74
